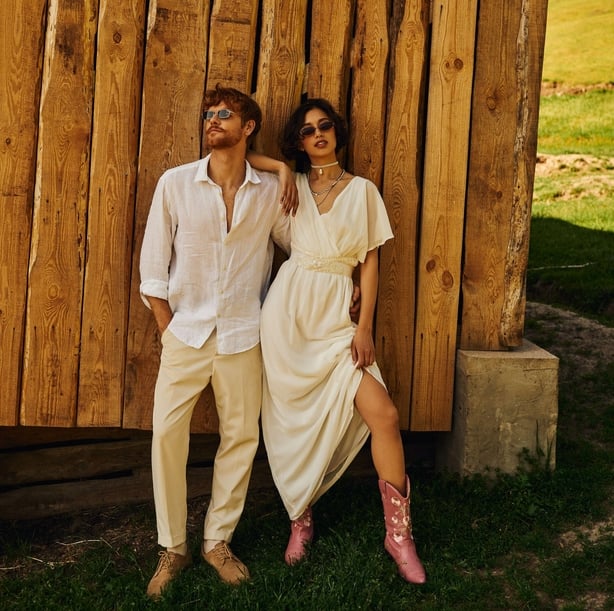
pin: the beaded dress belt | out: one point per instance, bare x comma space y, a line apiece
333, 265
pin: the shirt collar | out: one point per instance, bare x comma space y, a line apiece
203, 175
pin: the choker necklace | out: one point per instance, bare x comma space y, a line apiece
326, 165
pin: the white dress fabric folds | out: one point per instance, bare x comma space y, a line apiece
311, 428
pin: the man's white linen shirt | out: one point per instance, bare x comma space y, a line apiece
212, 278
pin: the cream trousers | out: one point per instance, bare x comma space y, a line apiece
236, 380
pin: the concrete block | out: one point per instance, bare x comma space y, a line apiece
503, 402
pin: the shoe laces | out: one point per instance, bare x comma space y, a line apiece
222, 552
165, 561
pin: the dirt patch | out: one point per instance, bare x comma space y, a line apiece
587, 533
555, 88
591, 176
579, 165
585, 343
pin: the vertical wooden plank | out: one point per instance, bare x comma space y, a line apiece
329, 51
530, 60
401, 190
174, 80
445, 175
21, 47
53, 317
232, 42
281, 67
501, 171
115, 139
368, 108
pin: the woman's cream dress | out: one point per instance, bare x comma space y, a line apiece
311, 428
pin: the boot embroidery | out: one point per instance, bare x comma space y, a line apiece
399, 540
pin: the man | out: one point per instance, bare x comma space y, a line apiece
205, 266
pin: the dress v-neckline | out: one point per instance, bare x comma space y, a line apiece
313, 199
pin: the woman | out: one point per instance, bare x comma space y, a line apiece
323, 391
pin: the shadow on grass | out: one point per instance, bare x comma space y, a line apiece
572, 267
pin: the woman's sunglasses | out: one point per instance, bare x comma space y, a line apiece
310, 130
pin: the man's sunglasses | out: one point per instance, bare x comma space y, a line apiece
310, 130
222, 113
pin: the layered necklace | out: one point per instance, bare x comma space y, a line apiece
328, 189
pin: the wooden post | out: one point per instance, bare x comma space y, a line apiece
170, 135
441, 231
22, 28
232, 40
115, 144
368, 108
55, 282
510, 46
281, 67
402, 191
329, 51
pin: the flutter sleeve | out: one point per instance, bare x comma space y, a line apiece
378, 225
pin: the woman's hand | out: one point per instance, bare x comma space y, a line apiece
288, 193
288, 190
363, 348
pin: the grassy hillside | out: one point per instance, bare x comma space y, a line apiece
571, 259
579, 42
580, 117
577, 123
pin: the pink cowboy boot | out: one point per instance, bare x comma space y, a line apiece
301, 534
399, 542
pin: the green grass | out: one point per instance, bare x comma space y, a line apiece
572, 123
571, 257
579, 42
486, 545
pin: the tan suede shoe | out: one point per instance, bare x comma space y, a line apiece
169, 566
230, 569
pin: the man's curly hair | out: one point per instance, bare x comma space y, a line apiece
237, 101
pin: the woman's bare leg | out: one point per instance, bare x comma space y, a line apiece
381, 416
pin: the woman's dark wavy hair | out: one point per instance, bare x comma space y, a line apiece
291, 139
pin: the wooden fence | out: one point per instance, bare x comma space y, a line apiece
99, 97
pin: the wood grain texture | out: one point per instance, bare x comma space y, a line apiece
57, 249
529, 63
281, 68
170, 135
441, 231
115, 142
95, 107
329, 51
22, 35
402, 190
232, 41
501, 172
369, 80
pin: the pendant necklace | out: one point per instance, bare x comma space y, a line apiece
320, 168
328, 189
